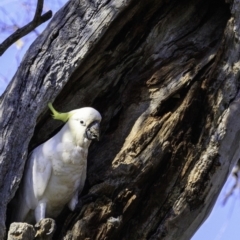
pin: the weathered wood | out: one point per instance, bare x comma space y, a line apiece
164, 75
21, 231
44, 71
43, 230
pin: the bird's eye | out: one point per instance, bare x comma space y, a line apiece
82, 122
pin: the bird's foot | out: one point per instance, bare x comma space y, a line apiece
45, 229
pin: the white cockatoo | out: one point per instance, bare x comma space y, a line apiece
56, 170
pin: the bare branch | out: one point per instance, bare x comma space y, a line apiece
236, 175
21, 32
38, 11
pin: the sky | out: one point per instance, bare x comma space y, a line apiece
224, 221
16, 13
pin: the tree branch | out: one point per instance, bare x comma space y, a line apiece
21, 32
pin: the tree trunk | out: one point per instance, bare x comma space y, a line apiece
164, 75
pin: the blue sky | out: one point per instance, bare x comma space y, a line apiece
223, 222
19, 12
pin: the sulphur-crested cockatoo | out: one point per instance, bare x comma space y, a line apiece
56, 170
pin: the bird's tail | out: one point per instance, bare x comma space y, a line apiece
19, 209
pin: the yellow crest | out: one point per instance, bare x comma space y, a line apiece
59, 116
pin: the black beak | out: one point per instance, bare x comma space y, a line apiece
93, 131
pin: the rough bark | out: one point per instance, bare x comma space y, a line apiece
43, 230
164, 75
21, 231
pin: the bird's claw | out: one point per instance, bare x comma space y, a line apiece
37, 225
52, 229
46, 227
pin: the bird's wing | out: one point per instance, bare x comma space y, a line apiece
41, 172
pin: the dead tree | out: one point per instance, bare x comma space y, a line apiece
165, 76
